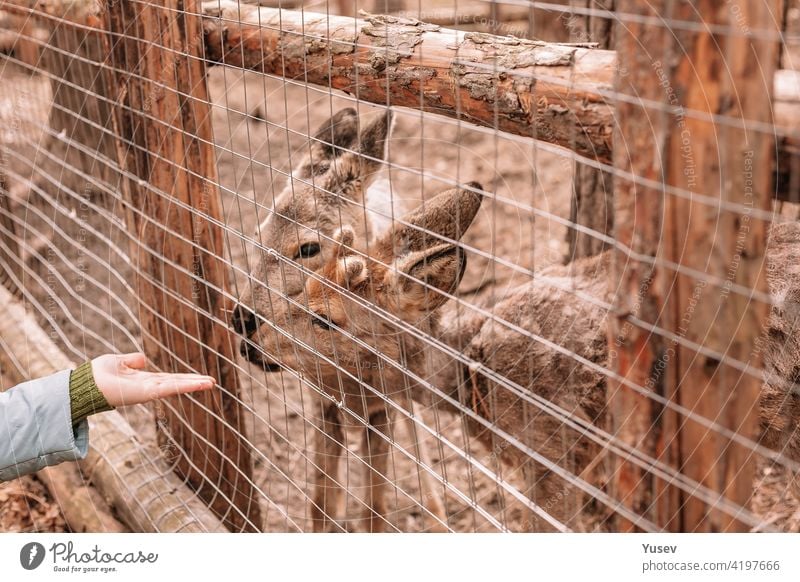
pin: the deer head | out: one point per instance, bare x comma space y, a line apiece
325, 192
352, 311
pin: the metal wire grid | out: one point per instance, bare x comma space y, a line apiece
236, 228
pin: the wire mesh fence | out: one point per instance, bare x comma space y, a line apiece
466, 266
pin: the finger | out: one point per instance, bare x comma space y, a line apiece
166, 376
172, 385
135, 360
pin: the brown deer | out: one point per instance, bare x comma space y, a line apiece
332, 187
510, 360
780, 396
340, 330
328, 189
343, 332
563, 307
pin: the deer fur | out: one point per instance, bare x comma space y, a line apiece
399, 278
502, 342
331, 190
780, 395
550, 308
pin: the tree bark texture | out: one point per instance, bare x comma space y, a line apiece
712, 75
174, 208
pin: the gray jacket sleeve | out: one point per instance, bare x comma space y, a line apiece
36, 427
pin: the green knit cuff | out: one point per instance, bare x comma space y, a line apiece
85, 397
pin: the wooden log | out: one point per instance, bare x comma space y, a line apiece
553, 92
637, 420
709, 74
556, 93
525, 87
10, 266
81, 504
164, 112
133, 480
714, 76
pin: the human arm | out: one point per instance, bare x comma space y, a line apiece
43, 422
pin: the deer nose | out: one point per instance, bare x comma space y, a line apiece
244, 320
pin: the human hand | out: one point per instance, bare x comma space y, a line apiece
123, 380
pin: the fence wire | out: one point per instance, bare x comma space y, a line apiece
428, 295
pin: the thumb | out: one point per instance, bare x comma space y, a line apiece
135, 360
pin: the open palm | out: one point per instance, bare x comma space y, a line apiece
123, 380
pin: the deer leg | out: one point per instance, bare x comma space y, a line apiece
432, 498
536, 481
328, 494
376, 448
552, 494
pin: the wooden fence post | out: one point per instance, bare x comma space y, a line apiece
633, 352
163, 121
592, 189
712, 76
74, 56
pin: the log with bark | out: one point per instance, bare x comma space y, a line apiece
552, 92
558, 93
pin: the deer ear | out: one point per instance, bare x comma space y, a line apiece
363, 167
421, 279
332, 138
446, 216
374, 143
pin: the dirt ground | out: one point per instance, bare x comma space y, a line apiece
26, 506
78, 280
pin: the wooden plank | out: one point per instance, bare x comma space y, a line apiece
640, 142
164, 112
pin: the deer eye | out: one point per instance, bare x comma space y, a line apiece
320, 321
307, 251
